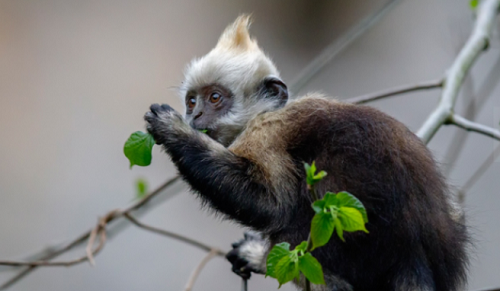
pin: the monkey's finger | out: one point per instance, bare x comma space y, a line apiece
252, 235
232, 256
150, 117
237, 244
155, 108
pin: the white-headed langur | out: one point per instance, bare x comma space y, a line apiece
249, 166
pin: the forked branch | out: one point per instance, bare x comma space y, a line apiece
475, 45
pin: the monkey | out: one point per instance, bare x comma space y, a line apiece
248, 166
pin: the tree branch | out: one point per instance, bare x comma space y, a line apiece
333, 49
45, 259
395, 91
468, 125
477, 174
476, 43
197, 271
176, 236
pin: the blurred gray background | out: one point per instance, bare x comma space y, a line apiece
76, 78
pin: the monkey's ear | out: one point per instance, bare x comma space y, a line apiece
236, 35
273, 87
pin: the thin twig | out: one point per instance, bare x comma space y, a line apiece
396, 91
468, 125
102, 235
176, 236
476, 44
477, 174
333, 49
244, 284
197, 271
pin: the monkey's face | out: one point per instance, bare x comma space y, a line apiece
205, 106
224, 114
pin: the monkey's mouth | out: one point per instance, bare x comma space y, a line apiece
208, 131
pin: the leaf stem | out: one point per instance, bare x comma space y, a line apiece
313, 193
309, 241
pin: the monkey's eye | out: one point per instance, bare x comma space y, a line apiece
215, 97
191, 102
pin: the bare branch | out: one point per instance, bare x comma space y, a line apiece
473, 126
197, 271
476, 43
176, 236
477, 174
100, 232
333, 49
396, 91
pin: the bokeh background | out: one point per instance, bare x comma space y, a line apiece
76, 78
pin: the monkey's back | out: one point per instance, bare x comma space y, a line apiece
413, 240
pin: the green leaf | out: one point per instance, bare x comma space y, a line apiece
351, 219
330, 199
321, 229
339, 229
473, 4
203, 130
141, 188
311, 176
275, 255
310, 169
302, 246
318, 206
346, 199
320, 175
138, 148
287, 268
311, 268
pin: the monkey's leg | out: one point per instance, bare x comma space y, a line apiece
415, 275
230, 183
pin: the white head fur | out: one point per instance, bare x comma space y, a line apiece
240, 65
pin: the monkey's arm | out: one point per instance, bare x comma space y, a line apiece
230, 183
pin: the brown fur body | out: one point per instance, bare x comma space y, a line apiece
373, 156
413, 244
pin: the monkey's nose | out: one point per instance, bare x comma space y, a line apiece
198, 115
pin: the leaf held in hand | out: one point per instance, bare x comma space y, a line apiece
138, 148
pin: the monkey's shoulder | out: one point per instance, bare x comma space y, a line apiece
317, 113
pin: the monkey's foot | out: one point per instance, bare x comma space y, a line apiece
248, 255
